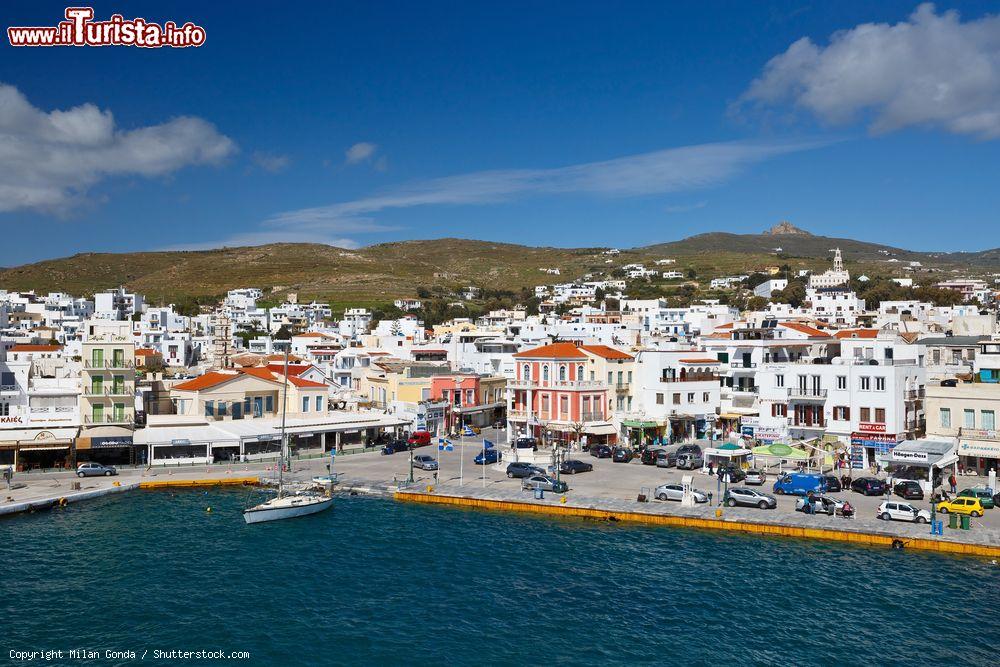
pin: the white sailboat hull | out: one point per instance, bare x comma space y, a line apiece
287, 507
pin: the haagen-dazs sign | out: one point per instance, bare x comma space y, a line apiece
10, 420
904, 455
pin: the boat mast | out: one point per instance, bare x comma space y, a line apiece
283, 335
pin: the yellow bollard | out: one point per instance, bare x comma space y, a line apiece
563, 500
430, 489
718, 513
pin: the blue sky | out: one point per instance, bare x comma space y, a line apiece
563, 124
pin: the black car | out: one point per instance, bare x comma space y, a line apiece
908, 489
573, 466
689, 449
526, 443
833, 484
868, 486
395, 446
622, 455
519, 469
601, 451
735, 473
648, 457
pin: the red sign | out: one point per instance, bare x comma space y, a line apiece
871, 427
10, 420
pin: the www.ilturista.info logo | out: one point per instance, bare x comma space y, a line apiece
80, 29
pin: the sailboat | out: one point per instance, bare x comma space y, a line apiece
286, 505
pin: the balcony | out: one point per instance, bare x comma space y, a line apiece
742, 364
4, 388
745, 389
690, 377
557, 384
914, 394
57, 409
109, 392
794, 423
621, 388
125, 418
806, 393
108, 364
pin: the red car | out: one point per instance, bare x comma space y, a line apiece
419, 438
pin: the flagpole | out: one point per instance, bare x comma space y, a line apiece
461, 459
484, 463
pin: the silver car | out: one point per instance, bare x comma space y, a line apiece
676, 492
665, 459
543, 482
425, 462
750, 498
95, 470
821, 505
689, 461
755, 477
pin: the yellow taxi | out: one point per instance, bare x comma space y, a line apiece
970, 506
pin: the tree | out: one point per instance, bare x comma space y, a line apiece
794, 294
691, 274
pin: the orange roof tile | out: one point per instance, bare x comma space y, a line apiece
145, 352
605, 351
302, 383
36, 348
857, 333
210, 379
805, 328
553, 351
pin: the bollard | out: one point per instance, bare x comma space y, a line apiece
718, 513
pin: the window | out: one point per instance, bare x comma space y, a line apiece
879, 384
579, 372
841, 382
305, 404
562, 373
677, 399
880, 415
989, 420
611, 377
564, 406
691, 397
659, 399
969, 418
630, 377
246, 406
779, 381
841, 413
526, 372
704, 397
237, 410
866, 414
221, 408
865, 383
209, 408
545, 373
945, 417
269, 403
7, 379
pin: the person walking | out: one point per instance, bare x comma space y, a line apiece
953, 483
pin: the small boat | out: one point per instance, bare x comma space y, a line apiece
287, 505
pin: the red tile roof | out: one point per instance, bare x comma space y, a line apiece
36, 348
210, 379
812, 332
605, 351
553, 351
857, 333
145, 352
214, 378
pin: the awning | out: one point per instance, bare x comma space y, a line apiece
481, 408
45, 448
26, 436
731, 415
923, 452
633, 423
600, 429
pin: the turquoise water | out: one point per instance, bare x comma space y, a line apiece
376, 582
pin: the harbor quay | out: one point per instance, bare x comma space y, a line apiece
609, 492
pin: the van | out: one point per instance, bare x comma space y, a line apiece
799, 484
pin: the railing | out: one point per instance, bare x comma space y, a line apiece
704, 377
592, 416
517, 414
803, 424
8, 387
108, 364
980, 434
109, 419
745, 389
621, 388
914, 394
806, 392
742, 364
105, 392
556, 384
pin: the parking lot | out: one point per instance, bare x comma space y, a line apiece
608, 480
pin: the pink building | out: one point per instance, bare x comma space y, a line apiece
551, 394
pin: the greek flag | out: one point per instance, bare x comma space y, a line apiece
444, 445
487, 444
467, 431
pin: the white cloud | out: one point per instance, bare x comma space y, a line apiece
664, 171
48, 160
360, 152
931, 70
685, 208
271, 162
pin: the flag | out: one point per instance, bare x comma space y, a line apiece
487, 444
444, 445
467, 431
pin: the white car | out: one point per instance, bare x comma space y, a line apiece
821, 505
676, 492
896, 511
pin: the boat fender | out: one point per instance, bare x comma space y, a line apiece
897, 544
62, 502
208, 509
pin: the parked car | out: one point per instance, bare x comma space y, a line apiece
689, 449
755, 477
526, 443
896, 511
980, 492
908, 489
519, 470
601, 451
573, 466
676, 492
648, 456
821, 505
799, 484
666, 459
419, 438
395, 446
833, 484
868, 486
622, 455
971, 506
95, 470
689, 461
488, 456
545, 483
736, 474
425, 462
742, 495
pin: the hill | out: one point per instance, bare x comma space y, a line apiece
380, 273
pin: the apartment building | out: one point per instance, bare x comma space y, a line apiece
107, 400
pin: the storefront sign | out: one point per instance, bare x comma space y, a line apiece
117, 441
882, 443
857, 457
909, 457
980, 434
981, 449
871, 427
10, 420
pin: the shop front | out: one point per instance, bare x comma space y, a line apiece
638, 431
871, 445
979, 450
110, 445
38, 449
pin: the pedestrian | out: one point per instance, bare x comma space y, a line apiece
953, 483
710, 469
8, 474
